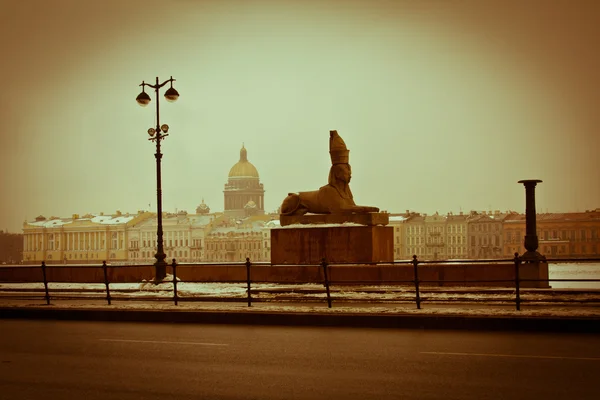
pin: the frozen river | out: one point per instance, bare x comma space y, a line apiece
574, 271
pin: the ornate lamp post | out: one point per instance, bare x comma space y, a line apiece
156, 135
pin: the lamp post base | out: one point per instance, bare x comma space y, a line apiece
532, 256
160, 267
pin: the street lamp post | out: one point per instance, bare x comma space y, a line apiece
156, 135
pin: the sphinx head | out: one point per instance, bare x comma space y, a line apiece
340, 174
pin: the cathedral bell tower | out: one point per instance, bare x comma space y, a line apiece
244, 194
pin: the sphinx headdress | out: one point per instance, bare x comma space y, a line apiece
337, 149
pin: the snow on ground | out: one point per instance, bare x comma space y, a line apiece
574, 271
298, 298
305, 291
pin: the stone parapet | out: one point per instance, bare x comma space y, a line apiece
431, 275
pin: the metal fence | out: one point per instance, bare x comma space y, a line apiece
327, 282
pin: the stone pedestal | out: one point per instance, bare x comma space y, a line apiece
534, 270
337, 244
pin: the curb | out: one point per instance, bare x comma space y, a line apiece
402, 321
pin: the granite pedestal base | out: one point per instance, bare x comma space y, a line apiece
337, 244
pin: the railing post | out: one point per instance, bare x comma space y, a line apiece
517, 281
415, 263
104, 267
47, 295
326, 278
174, 266
248, 264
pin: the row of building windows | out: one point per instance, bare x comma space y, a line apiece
416, 230
82, 256
485, 240
166, 242
171, 235
73, 241
196, 243
485, 227
581, 235
234, 244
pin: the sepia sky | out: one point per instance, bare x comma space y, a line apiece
444, 104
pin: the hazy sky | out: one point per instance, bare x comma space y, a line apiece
444, 105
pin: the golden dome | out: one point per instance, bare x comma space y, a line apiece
243, 168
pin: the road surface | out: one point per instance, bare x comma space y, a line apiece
110, 360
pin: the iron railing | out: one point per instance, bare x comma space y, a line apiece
327, 282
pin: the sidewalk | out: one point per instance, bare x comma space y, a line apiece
457, 315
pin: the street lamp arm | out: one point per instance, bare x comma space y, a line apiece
157, 86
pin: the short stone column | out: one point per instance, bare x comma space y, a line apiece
531, 238
536, 266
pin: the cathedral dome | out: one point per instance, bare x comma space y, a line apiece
202, 208
243, 168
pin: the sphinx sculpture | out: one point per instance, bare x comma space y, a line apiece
333, 198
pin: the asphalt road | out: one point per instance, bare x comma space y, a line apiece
94, 360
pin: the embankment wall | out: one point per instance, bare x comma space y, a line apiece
477, 275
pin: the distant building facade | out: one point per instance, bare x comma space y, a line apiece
485, 234
488, 235
86, 239
414, 235
231, 240
435, 237
560, 235
397, 223
456, 236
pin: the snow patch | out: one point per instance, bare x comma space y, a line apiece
294, 226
